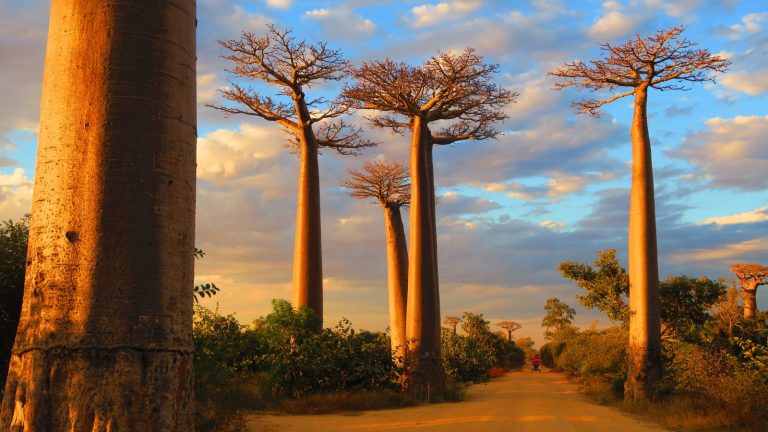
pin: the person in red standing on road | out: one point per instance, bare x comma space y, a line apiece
536, 363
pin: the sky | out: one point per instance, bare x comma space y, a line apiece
553, 187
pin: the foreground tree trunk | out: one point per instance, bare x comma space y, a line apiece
105, 337
397, 279
645, 319
307, 251
423, 363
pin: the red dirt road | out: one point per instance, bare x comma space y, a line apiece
519, 402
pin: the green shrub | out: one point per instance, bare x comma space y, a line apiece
719, 381
470, 357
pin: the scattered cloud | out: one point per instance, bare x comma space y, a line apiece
753, 83
279, 4
342, 23
730, 154
724, 253
15, 194
431, 14
751, 216
750, 23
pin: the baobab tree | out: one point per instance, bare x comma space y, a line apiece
510, 327
386, 182
456, 90
453, 322
292, 66
750, 276
105, 336
664, 61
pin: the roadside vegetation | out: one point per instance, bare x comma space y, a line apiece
285, 362
715, 360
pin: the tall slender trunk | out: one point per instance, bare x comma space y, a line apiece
307, 252
423, 364
397, 277
750, 302
645, 322
433, 227
509, 335
105, 337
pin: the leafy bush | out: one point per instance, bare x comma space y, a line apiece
719, 381
471, 356
13, 255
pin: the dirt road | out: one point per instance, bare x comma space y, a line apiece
518, 402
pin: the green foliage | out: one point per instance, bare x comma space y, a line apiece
469, 357
13, 255
207, 289
719, 381
606, 286
685, 301
558, 315
285, 355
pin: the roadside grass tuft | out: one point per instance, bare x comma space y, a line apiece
347, 401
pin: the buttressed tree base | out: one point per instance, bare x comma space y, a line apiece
105, 338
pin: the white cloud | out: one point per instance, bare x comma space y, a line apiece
752, 216
752, 83
723, 253
430, 14
750, 23
611, 25
676, 8
225, 154
207, 90
342, 23
279, 4
731, 153
15, 194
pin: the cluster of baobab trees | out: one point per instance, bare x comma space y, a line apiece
105, 337
454, 89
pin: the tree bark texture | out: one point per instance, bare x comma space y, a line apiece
423, 364
397, 277
307, 252
105, 337
433, 226
645, 321
750, 302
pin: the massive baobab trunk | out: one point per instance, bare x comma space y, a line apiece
750, 303
105, 338
423, 362
645, 320
397, 279
665, 61
307, 253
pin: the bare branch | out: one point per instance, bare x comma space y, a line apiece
385, 181
449, 87
665, 60
343, 138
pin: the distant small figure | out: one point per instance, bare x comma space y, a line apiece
536, 363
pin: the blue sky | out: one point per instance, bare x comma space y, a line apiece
554, 187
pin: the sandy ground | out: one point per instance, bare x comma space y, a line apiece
518, 402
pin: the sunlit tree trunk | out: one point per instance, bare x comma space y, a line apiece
397, 277
750, 302
423, 365
105, 338
307, 254
645, 321
433, 227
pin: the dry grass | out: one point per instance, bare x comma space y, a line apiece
340, 402
680, 413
